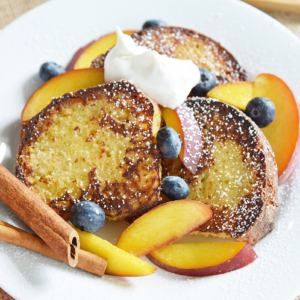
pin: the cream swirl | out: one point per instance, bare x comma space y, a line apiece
168, 81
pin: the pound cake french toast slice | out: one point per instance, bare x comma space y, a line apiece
236, 175
98, 145
188, 44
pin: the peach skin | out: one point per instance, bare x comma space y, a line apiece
163, 225
203, 259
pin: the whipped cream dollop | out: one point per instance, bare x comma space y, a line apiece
168, 81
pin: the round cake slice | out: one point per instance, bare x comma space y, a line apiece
236, 176
94, 145
182, 43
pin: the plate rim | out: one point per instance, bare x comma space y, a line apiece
41, 6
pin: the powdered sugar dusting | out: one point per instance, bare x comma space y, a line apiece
183, 43
192, 138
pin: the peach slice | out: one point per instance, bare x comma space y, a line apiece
203, 259
183, 122
292, 163
57, 86
163, 225
84, 56
76, 56
237, 94
119, 262
283, 132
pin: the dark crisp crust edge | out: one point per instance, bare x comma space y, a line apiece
98, 62
265, 223
35, 127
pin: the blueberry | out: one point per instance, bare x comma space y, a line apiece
175, 188
154, 23
207, 82
261, 110
87, 216
169, 142
49, 70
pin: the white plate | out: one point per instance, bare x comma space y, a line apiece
54, 31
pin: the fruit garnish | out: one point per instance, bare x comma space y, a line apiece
91, 51
175, 187
183, 122
237, 94
119, 262
203, 259
87, 216
154, 23
261, 110
49, 70
76, 56
163, 225
169, 142
65, 83
283, 132
207, 82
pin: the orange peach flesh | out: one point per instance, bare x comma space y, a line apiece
77, 55
237, 94
99, 47
195, 256
283, 132
68, 82
163, 225
119, 262
203, 259
292, 163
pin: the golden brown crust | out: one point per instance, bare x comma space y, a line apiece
265, 223
128, 198
184, 43
98, 62
255, 213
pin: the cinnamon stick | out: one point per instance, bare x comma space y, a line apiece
46, 223
86, 261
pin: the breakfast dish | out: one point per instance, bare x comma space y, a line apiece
182, 283
97, 151
104, 145
235, 170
